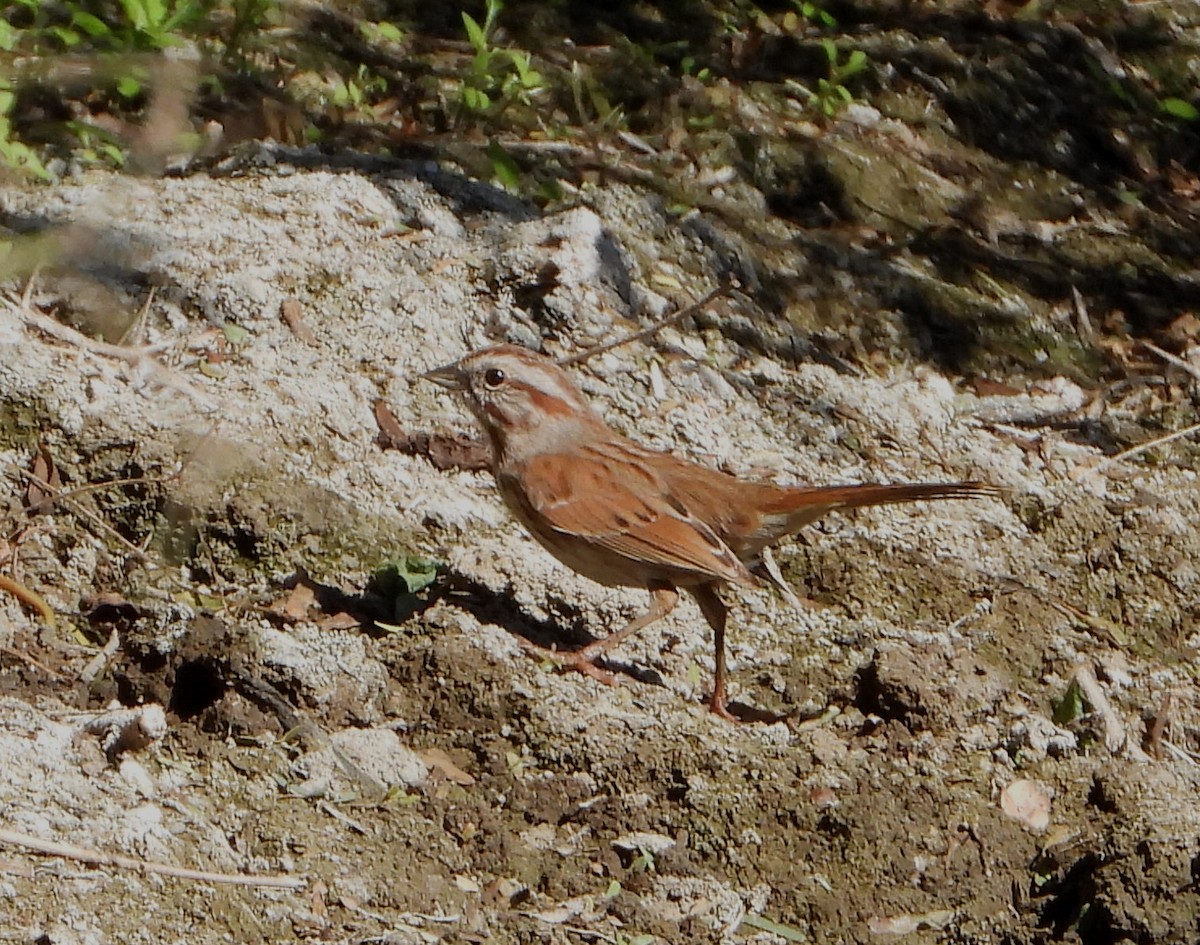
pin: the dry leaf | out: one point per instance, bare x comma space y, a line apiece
292, 313
297, 603
444, 768
444, 451
44, 486
908, 922
340, 621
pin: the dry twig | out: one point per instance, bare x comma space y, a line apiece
57, 495
726, 286
30, 598
1172, 359
100, 858
1150, 444
139, 358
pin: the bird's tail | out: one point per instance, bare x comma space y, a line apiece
791, 508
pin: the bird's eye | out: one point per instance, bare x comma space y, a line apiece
493, 378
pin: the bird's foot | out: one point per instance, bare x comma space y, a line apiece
582, 660
718, 704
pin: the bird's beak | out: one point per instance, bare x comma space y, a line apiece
449, 376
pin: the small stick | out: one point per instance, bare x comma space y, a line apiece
98, 662
135, 357
1172, 359
96, 486
1154, 739
136, 325
30, 598
1115, 737
57, 495
1158, 441
100, 858
11, 651
727, 285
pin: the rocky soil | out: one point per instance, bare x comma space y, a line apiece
980, 725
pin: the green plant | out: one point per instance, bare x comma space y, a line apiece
142, 26
590, 99
832, 94
497, 76
119, 33
381, 32
249, 16
643, 862
689, 66
96, 146
761, 923
16, 155
1178, 108
814, 13
1071, 706
353, 93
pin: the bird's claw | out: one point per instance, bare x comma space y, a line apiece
580, 661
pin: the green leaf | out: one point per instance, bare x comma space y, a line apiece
855, 64
530, 78
67, 37
135, 13
414, 571
550, 191
493, 10
476, 100
128, 87
830, 48
786, 932
1178, 108
1071, 706
184, 14
236, 335
504, 168
1128, 197
113, 153
8, 37
90, 24
475, 34
381, 32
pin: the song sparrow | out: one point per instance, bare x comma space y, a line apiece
622, 514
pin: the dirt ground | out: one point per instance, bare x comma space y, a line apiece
981, 725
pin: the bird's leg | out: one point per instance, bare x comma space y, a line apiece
715, 612
663, 598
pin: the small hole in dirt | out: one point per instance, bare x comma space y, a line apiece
197, 686
247, 544
1098, 797
833, 827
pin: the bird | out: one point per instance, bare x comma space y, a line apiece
623, 514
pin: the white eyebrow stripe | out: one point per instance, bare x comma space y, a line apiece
553, 383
